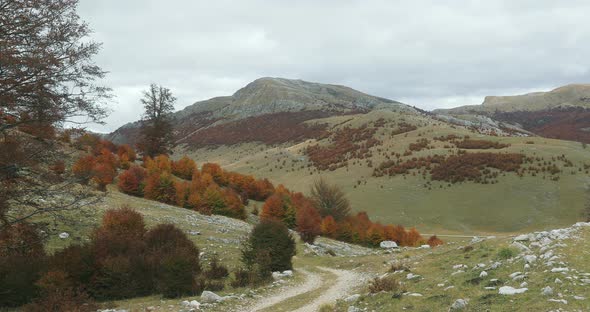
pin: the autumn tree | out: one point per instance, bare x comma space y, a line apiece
131, 181
184, 168
103, 174
330, 200
434, 241
413, 238
279, 207
126, 155
329, 227
156, 127
375, 234
160, 187
159, 164
47, 78
83, 168
308, 222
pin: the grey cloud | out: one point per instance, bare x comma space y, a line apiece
425, 53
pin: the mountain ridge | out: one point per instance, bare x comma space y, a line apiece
266, 96
570, 95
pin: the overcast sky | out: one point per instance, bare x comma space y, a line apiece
430, 54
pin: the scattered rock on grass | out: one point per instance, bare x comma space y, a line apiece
507, 290
459, 304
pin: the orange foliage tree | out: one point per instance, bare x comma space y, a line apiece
160, 187
131, 180
159, 164
127, 151
103, 174
216, 173
413, 238
434, 241
184, 168
83, 168
182, 192
329, 227
280, 208
308, 222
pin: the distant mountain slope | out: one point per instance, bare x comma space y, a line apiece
573, 95
562, 113
268, 96
275, 95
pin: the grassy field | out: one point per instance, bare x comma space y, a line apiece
439, 285
512, 205
222, 235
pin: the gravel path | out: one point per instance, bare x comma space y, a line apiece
345, 281
312, 281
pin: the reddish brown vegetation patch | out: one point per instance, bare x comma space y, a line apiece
403, 128
395, 167
419, 145
479, 144
269, 129
475, 166
565, 123
347, 143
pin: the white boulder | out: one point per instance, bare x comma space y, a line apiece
559, 270
210, 297
388, 244
530, 258
459, 304
64, 235
352, 298
547, 291
507, 290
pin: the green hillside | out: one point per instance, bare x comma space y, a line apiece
512, 204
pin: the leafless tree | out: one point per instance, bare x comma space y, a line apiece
330, 200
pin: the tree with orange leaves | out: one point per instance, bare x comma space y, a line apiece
106, 157
184, 168
329, 227
216, 173
159, 164
280, 207
160, 187
396, 233
273, 208
434, 241
413, 238
83, 168
103, 174
308, 222
182, 192
129, 183
375, 235
127, 151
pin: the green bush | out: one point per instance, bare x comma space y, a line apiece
506, 253
242, 278
216, 270
270, 246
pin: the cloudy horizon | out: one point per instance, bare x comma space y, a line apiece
424, 53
